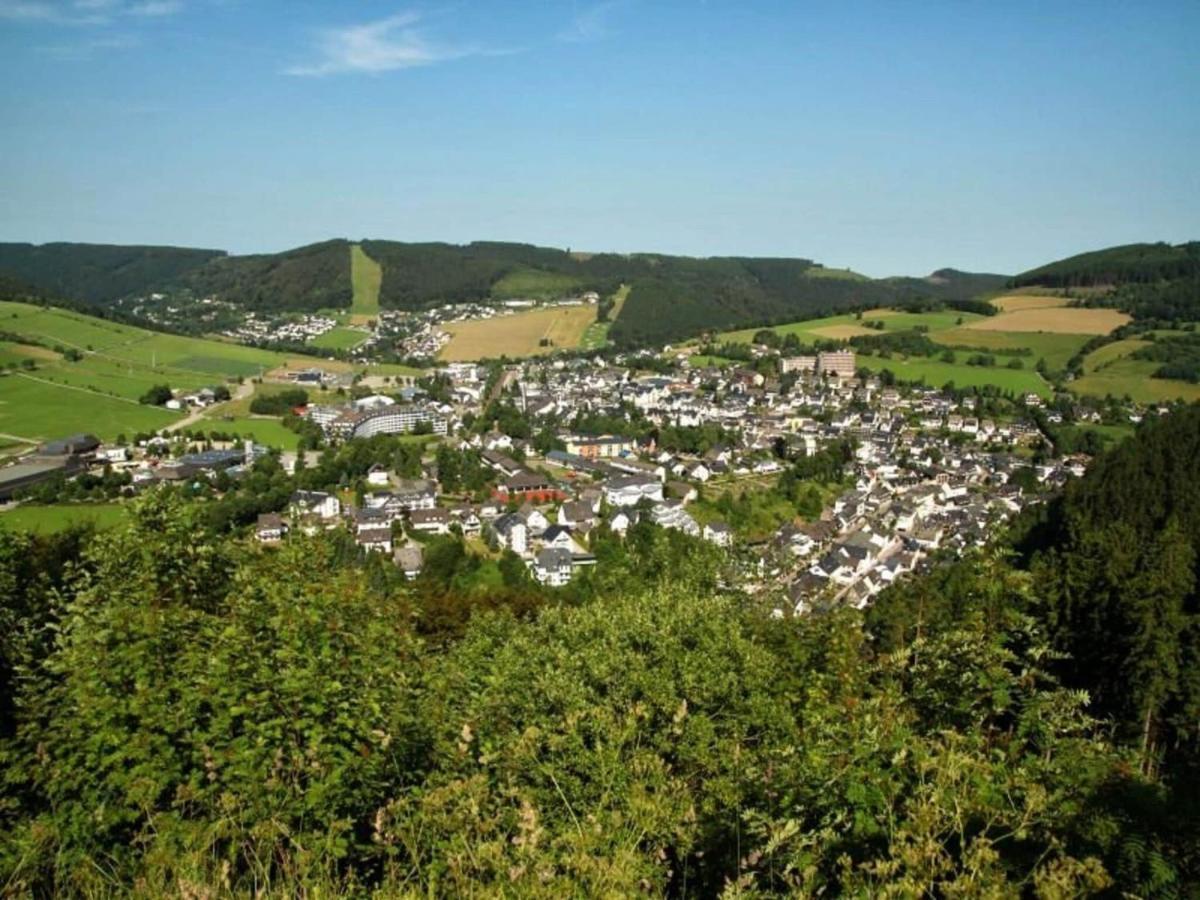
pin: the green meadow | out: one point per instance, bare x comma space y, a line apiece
60, 516
37, 411
811, 330
339, 339
1133, 378
266, 431
99, 392
366, 275
533, 284
596, 335
936, 373
1055, 349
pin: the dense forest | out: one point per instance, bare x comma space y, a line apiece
307, 278
672, 296
1138, 263
97, 274
187, 713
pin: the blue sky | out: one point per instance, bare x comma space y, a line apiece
889, 137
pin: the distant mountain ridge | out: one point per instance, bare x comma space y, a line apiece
671, 297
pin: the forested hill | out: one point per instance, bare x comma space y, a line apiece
671, 297
313, 277
1129, 263
1159, 282
1110, 572
97, 274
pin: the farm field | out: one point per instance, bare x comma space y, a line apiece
366, 276
519, 334
165, 352
1055, 319
339, 339
838, 327
936, 373
15, 354
99, 392
1055, 349
58, 517
1132, 377
1018, 302
38, 411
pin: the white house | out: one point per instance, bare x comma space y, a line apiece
552, 566
718, 533
430, 521
511, 533
629, 490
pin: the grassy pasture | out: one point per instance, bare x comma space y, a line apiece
1054, 319
38, 411
1055, 349
1132, 377
114, 378
519, 334
267, 431
99, 392
1104, 356
836, 274
17, 353
534, 284
339, 339
61, 516
936, 373
596, 335
841, 332
366, 276
812, 330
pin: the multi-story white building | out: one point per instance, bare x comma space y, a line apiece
388, 420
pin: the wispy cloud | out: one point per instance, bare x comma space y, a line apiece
591, 23
382, 46
74, 51
79, 13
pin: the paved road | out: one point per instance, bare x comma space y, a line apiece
241, 392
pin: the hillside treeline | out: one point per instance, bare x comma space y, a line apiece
1140, 263
96, 274
189, 714
672, 296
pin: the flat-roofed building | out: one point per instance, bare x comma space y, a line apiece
836, 362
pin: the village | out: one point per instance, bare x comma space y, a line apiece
909, 474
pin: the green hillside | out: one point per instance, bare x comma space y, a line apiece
365, 278
88, 374
671, 297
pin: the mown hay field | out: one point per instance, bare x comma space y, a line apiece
520, 334
1057, 320
1018, 302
